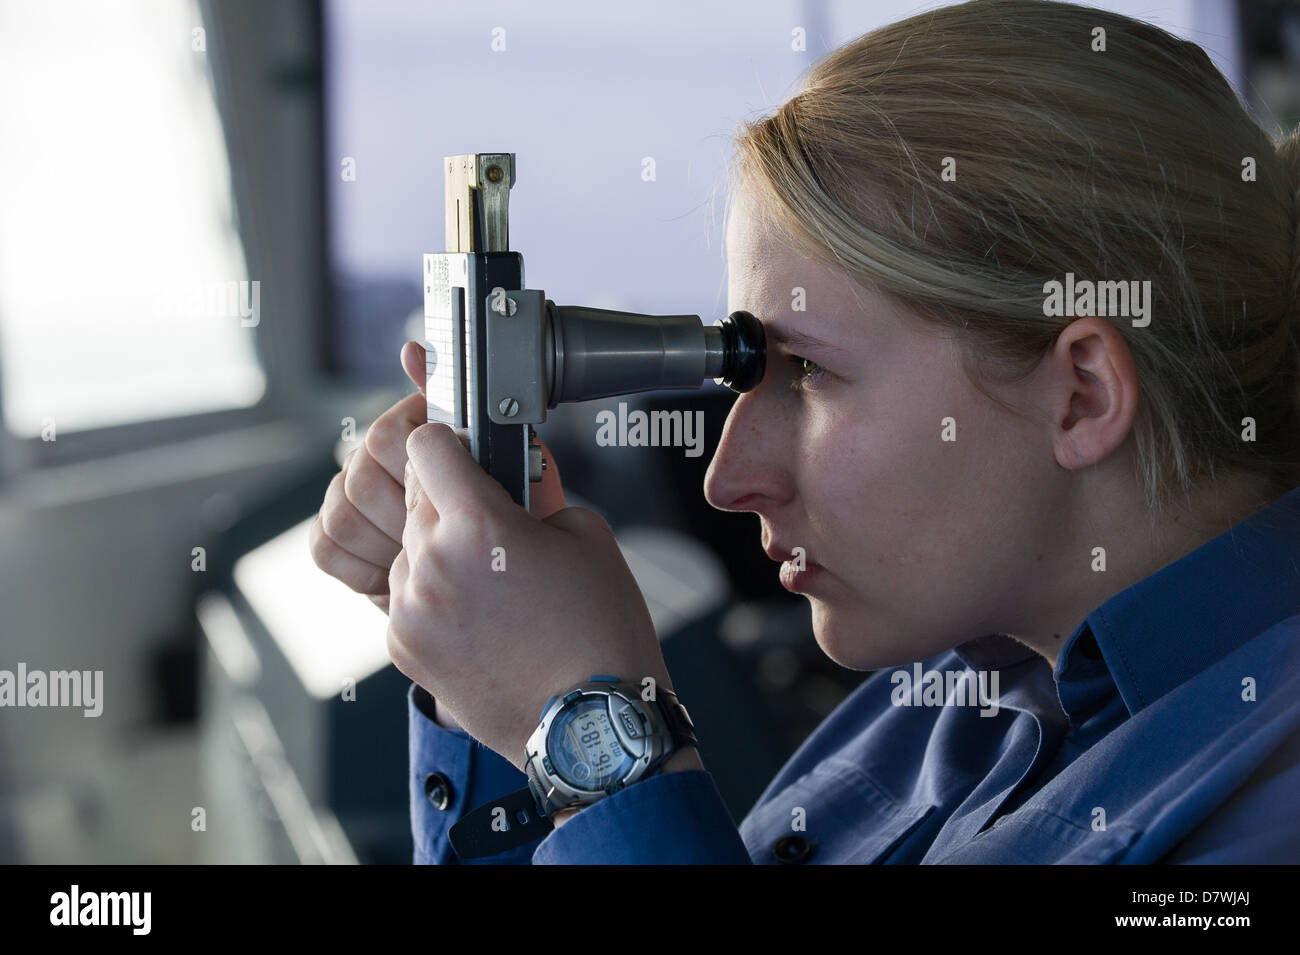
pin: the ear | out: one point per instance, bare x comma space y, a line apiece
1094, 387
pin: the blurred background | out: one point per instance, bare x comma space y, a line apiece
212, 217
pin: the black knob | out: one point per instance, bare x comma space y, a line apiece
744, 351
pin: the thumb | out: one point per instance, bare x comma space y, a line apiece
413, 359
580, 521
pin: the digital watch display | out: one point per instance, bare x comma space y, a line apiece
584, 747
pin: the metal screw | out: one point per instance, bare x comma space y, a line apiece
508, 407
504, 305
494, 174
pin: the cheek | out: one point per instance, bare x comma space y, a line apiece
913, 526
894, 485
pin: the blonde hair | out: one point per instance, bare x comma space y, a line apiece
1117, 165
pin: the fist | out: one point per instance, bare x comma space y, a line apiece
493, 610
358, 533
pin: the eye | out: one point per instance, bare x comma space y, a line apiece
807, 373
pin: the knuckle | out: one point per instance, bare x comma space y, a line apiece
335, 489
379, 436
334, 560
414, 541
358, 480
424, 584
325, 549
475, 521
376, 582
366, 582
322, 548
338, 522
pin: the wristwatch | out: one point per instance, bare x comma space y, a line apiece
600, 737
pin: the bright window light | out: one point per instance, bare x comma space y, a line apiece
124, 293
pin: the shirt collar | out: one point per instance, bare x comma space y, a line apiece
1166, 628
994, 651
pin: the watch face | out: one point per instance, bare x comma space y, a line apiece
584, 748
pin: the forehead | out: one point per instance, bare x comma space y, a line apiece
764, 267
752, 240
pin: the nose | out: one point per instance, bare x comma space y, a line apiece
746, 468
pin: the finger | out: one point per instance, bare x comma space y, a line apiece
421, 516
449, 475
414, 359
378, 498
547, 496
359, 575
386, 438
346, 526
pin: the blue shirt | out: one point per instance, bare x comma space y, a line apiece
1168, 731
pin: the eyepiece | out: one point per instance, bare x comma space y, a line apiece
594, 353
744, 351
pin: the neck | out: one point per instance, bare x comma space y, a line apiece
1130, 556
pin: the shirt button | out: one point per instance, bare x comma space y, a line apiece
438, 788
793, 849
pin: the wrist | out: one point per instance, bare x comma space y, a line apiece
684, 759
564, 815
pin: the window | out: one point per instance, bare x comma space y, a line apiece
124, 293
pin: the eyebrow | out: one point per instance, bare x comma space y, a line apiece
795, 339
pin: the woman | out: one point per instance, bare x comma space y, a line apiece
1029, 442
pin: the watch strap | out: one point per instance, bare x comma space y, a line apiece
677, 720
479, 833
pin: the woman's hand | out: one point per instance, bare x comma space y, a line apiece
358, 532
493, 609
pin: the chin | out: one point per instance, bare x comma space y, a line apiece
844, 639
856, 643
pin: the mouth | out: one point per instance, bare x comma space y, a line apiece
794, 578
